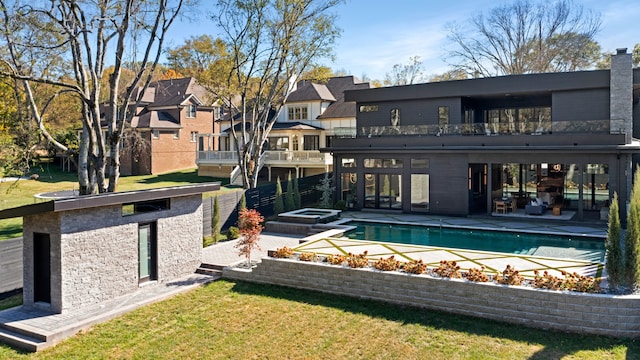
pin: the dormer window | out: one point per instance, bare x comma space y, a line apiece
298, 113
191, 111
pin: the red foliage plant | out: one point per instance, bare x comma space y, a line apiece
250, 227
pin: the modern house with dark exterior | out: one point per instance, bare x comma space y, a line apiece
495, 145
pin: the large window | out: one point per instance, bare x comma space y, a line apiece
443, 117
191, 111
383, 163
298, 113
522, 120
279, 143
311, 142
348, 187
420, 192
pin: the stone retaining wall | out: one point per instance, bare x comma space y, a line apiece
599, 314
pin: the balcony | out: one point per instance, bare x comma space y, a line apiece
496, 129
307, 158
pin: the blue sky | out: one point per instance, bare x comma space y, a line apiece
377, 34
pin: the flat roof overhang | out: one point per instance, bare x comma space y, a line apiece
603, 149
108, 199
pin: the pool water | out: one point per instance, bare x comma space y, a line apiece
580, 248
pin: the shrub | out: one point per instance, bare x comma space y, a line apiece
289, 201
632, 236
547, 281
297, 197
233, 233
388, 264
215, 220
358, 261
614, 263
477, 275
414, 267
243, 202
510, 276
448, 269
308, 256
283, 252
581, 283
250, 227
340, 205
336, 259
278, 203
207, 241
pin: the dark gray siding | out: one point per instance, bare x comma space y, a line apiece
580, 105
412, 112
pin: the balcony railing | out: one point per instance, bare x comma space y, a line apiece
270, 157
531, 128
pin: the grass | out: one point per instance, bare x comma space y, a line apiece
51, 178
11, 301
227, 320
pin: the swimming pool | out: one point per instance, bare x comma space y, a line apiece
580, 248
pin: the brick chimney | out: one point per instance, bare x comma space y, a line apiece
621, 94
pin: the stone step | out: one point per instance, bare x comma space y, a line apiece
208, 271
21, 341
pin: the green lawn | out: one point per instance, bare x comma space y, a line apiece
18, 193
227, 320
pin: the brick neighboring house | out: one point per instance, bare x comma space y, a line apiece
313, 115
171, 116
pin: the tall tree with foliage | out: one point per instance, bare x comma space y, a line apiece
278, 203
614, 262
250, 226
289, 201
632, 236
526, 36
270, 42
88, 35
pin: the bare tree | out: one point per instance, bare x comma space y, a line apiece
271, 43
90, 35
406, 74
526, 37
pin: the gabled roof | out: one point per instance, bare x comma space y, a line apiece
333, 92
308, 91
176, 92
155, 120
296, 125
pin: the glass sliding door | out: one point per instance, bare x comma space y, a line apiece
383, 191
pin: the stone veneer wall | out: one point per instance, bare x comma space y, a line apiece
565, 311
94, 252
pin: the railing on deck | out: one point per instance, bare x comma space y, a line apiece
494, 129
294, 157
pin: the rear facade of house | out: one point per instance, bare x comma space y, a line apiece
455, 147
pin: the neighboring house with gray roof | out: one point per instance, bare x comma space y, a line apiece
170, 117
313, 115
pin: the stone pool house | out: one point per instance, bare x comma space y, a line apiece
473, 146
86, 250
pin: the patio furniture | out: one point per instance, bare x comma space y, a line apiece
536, 207
500, 206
